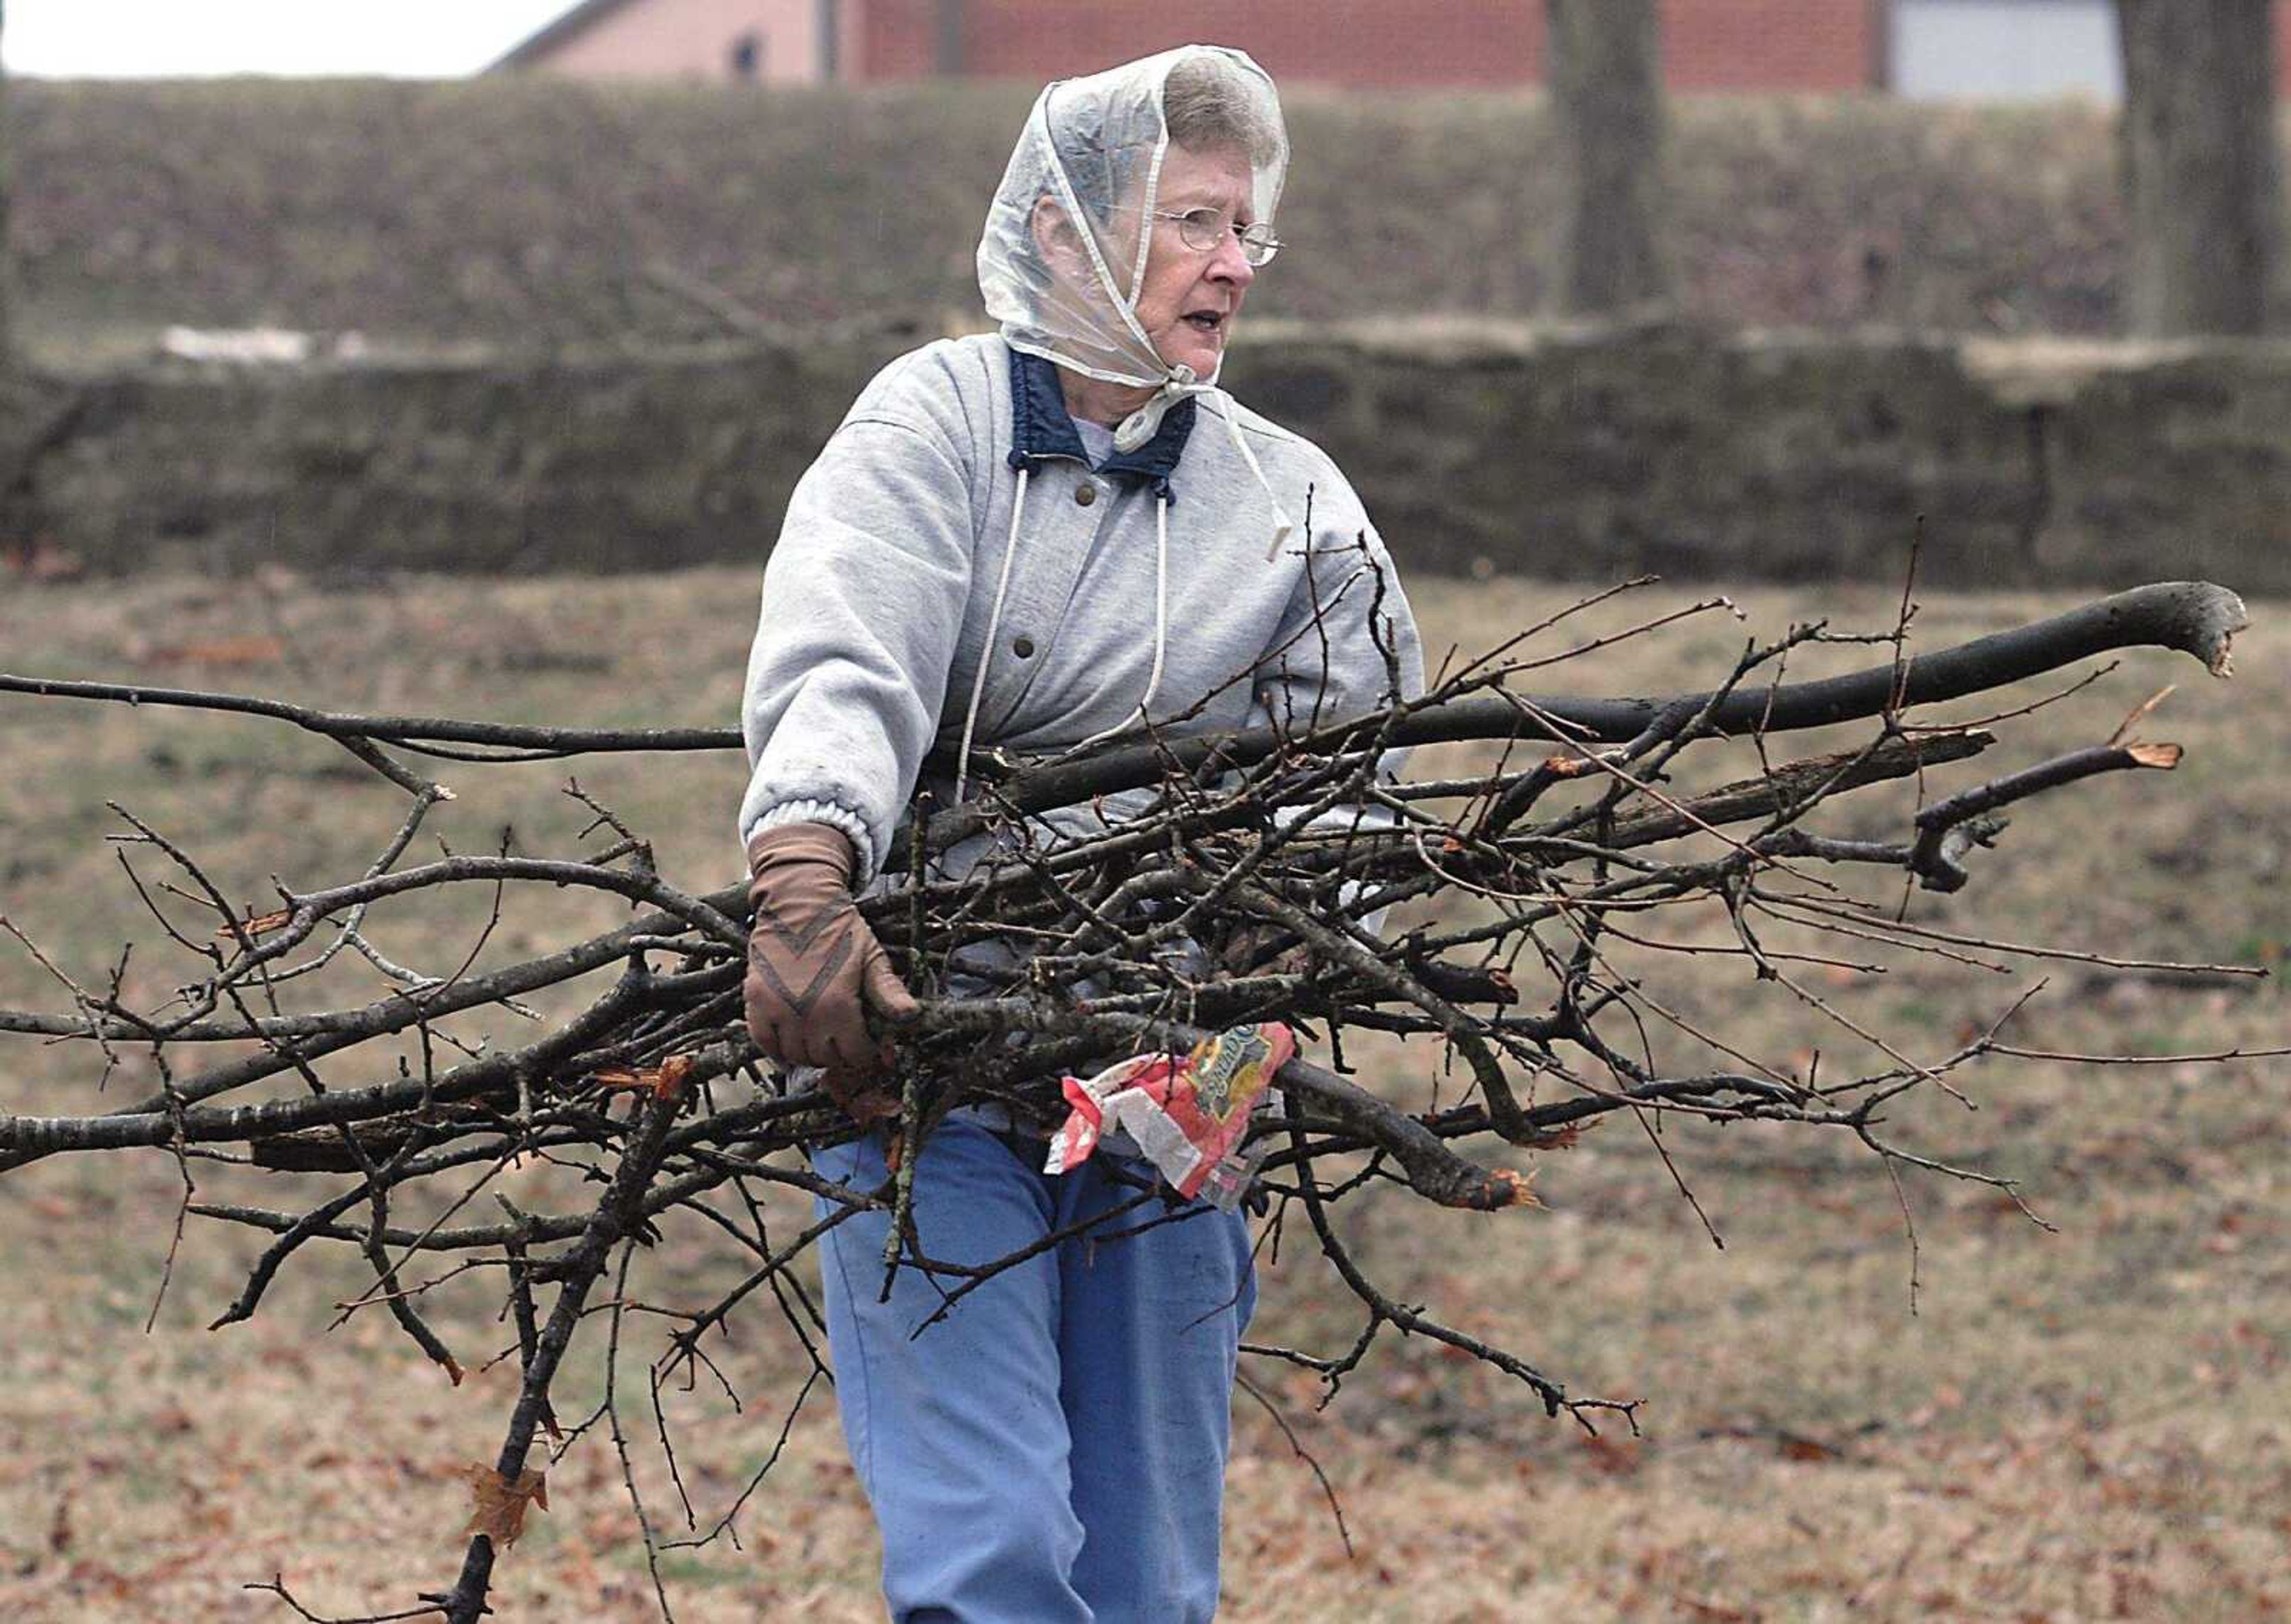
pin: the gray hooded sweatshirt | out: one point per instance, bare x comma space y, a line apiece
958, 466
954, 572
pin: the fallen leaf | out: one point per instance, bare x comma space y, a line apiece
498, 1505
1610, 1457
1794, 1446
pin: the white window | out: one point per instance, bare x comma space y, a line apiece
2006, 49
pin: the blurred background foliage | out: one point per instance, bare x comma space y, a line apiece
531, 212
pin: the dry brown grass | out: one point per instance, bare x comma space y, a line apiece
2082, 1424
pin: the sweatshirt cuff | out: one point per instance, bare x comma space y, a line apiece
841, 817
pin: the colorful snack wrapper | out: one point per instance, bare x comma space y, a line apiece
1186, 1115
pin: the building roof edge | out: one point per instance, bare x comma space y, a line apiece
550, 36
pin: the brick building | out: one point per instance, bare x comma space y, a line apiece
1919, 47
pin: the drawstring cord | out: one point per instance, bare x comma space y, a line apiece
1161, 595
1283, 526
986, 655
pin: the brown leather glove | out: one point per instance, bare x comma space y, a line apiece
814, 966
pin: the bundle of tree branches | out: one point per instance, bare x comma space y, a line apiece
1125, 900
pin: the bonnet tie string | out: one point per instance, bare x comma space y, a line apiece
1142, 424
1283, 526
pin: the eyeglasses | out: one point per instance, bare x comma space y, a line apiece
1204, 230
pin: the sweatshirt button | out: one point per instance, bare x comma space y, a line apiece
1085, 493
1023, 646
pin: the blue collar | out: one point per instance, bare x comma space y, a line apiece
1040, 428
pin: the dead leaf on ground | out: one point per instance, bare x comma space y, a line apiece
1716, 1613
1610, 1457
1796, 1446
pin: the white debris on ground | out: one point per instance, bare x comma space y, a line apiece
259, 346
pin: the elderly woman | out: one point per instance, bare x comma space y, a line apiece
1037, 540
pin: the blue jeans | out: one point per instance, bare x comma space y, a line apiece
1053, 1451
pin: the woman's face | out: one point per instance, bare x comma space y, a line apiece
1190, 296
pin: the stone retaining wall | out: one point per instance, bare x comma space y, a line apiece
1586, 453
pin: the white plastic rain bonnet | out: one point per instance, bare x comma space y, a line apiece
1091, 155
1094, 147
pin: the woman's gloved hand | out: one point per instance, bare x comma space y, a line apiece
814, 968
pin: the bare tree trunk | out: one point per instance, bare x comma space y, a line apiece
7, 259
1607, 95
2201, 189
